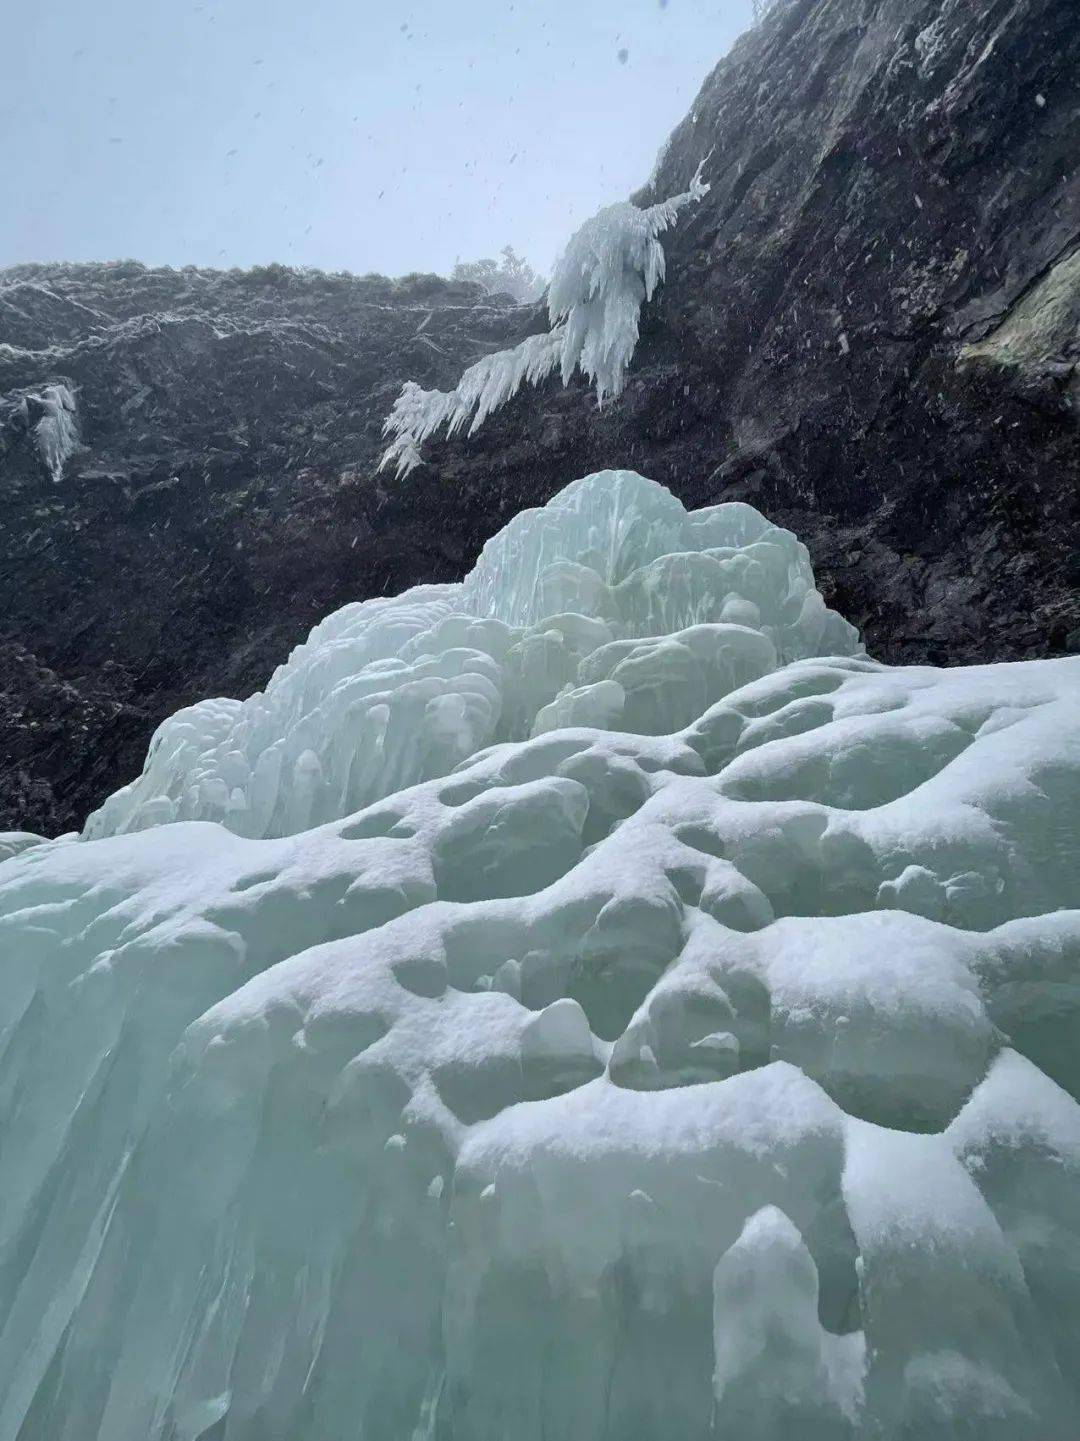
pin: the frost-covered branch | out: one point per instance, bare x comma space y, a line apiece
418, 413
611, 266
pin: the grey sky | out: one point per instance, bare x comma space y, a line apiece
338, 133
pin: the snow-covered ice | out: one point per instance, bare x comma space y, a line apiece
592, 1001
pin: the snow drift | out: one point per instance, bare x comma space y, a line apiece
655, 1018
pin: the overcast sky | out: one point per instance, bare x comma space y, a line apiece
345, 134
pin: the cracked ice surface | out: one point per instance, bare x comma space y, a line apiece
679, 1040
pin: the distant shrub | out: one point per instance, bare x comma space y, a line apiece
273, 274
511, 274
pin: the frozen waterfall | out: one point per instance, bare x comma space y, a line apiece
594, 1001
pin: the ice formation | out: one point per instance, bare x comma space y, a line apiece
610, 267
679, 1041
57, 432
49, 414
626, 612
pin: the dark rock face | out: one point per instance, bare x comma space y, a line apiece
870, 329
222, 500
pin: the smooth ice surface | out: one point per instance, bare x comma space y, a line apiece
619, 1009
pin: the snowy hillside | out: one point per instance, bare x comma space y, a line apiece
591, 1001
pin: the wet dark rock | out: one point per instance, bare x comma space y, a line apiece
869, 330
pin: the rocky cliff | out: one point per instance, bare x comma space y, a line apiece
221, 499
870, 329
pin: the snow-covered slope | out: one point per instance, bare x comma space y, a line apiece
708, 1076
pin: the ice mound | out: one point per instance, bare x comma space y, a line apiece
696, 1058
612, 606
